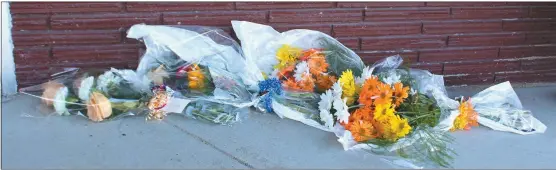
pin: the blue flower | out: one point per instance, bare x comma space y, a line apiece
271, 85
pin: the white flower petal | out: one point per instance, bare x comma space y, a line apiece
85, 88
325, 105
301, 69
60, 101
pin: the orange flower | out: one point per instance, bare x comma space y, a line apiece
286, 72
362, 131
290, 84
317, 65
324, 82
400, 93
467, 117
362, 113
196, 79
368, 91
384, 94
307, 84
307, 54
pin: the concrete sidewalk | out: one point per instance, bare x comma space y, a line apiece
263, 141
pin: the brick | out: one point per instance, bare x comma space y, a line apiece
22, 67
320, 15
489, 13
541, 38
487, 40
102, 21
177, 6
97, 64
371, 57
282, 5
66, 37
396, 14
475, 79
30, 22
530, 25
481, 67
33, 55
376, 29
378, 4
435, 68
352, 43
466, 4
324, 28
543, 12
539, 64
81, 7
213, 18
452, 27
29, 7
528, 76
403, 42
95, 53
531, 3
455, 54
527, 51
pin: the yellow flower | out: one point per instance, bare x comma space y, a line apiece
196, 78
383, 112
349, 90
287, 55
467, 117
401, 127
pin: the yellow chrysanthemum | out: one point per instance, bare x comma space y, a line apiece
383, 112
349, 90
287, 55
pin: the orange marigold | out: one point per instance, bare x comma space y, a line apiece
369, 91
362, 113
384, 94
400, 93
317, 65
324, 82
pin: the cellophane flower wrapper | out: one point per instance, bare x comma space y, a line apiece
499, 108
426, 145
295, 57
204, 66
98, 94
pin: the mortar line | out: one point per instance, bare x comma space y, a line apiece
244, 163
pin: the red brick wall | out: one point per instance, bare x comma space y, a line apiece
470, 43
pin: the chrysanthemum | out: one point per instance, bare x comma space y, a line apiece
60, 101
307, 83
400, 93
382, 112
348, 86
317, 65
287, 55
369, 91
362, 113
85, 88
324, 82
285, 72
342, 113
384, 94
362, 131
310, 53
367, 73
290, 84
301, 70
325, 104
392, 78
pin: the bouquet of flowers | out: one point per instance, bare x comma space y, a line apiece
298, 66
203, 67
497, 107
91, 93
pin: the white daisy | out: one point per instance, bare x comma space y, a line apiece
412, 91
85, 88
337, 90
342, 112
300, 70
392, 78
60, 101
367, 73
325, 105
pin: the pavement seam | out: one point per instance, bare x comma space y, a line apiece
244, 163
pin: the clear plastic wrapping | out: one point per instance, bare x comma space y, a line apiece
96, 94
201, 65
